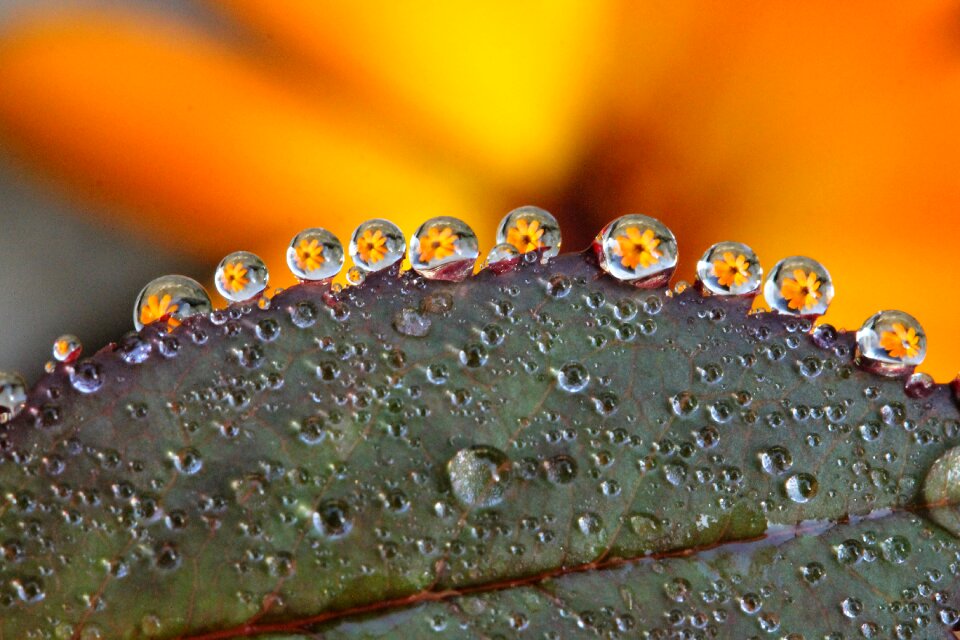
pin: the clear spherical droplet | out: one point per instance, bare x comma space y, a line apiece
241, 276
479, 475
502, 258
941, 491
799, 286
637, 249
172, 299
730, 269
530, 229
67, 348
444, 248
13, 396
801, 487
891, 342
377, 244
315, 255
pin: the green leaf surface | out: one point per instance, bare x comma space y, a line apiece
547, 452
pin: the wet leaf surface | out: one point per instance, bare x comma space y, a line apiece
550, 452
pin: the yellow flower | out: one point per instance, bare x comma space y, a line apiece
731, 271
901, 342
372, 246
438, 244
637, 248
309, 254
234, 276
158, 309
802, 291
525, 236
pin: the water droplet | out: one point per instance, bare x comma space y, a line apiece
573, 377
444, 248
941, 491
170, 298
530, 229
479, 475
67, 348
376, 244
799, 286
637, 249
776, 460
896, 549
332, 519
187, 461
589, 523
919, 385
891, 343
410, 322
813, 572
730, 269
801, 487
851, 607
561, 469
684, 403
86, 376
315, 255
502, 258
241, 276
13, 396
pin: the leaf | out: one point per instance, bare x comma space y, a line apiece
547, 450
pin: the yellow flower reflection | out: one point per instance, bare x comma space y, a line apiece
635, 248
902, 342
234, 276
372, 246
439, 244
525, 236
157, 308
309, 254
731, 271
802, 290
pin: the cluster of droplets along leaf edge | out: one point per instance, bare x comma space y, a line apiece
634, 249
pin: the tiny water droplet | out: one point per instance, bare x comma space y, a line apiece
444, 248
377, 244
730, 269
851, 607
561, 469
411, 322
502, 258
315, 255
891, 343
919, 385
637, 249
801, 487
776, 460
187, 461
241, 276
67, 348
86, 376
799, 286
530, 229
332, 519
589, 523
479, 475
13, 396
170, 298
573, 377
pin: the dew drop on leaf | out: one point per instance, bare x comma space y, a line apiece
530, 229
637, 249
13, 396
66, 348
315, 255
241, 276
891, 343
376, 244
170, 298
799, 286
444, 248
573, 377
479, 475
729, 269
801, 487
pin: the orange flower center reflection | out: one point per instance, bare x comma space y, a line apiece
802, 291
309, 254
525, 236
731, 271
901, 342
372, 246
637, 249
157, 308
439, 244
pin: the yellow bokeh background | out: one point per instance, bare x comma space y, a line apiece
818, 128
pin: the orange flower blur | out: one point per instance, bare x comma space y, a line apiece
728, 124
801, 291
901, 342
637, 249
438, 244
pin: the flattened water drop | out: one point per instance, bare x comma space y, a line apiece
637, 249
376, 245
891, 343
241, 276
530, 229
444, 248
315, 255
799, 286
171, 299
502, 258
13, 396
479, 475
801, 487
573, 377
729, 269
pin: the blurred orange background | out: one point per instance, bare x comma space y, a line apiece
194, 129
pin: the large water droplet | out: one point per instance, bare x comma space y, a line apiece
502, 258
479, 475
13, 396
241, 276
776, 460
67, 348
891, 343
799, 286
801, 487
86, 376
170, 298
444, 248
530, 229
332, 519
573, 377
315, 255
376, 244
730, 269
941, 491
411, 322
637, 249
